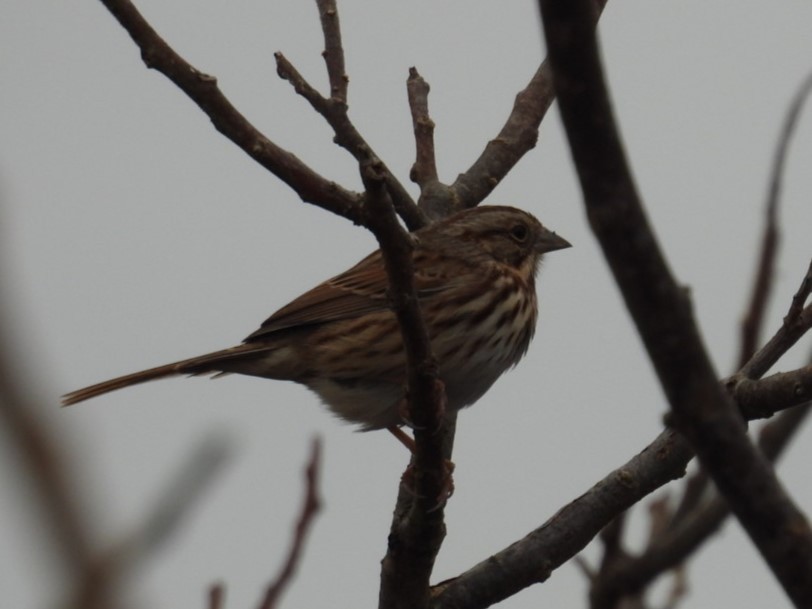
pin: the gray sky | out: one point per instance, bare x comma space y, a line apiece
134, 234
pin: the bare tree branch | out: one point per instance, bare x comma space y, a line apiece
424, 170
333, 50
203, 90
310, 508
793, 328
753, 321
661, 309
533, 558
631, 575
518, 135
334, 110
418, 528
770, 239
796, 309
416, 535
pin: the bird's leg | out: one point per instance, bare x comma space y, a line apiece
402, 437
408, 475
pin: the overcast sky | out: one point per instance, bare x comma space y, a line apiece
133, 234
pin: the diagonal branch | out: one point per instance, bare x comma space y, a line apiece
532, 559
518, 136
203, 90
334, 110
793, 328
661, 309
631, 575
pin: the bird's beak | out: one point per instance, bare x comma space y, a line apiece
549, 242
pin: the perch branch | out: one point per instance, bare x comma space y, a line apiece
416, 534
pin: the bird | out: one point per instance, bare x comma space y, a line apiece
474, 277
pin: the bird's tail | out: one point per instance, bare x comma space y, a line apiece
211, 363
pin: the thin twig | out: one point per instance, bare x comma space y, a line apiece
788, 334
310, 507
334, 110
799, 298
424, 170
333, 50
763, 398
532, 559
753, 321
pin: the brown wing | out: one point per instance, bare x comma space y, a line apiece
359, 290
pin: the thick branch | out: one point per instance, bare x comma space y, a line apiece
203, 90
661, 309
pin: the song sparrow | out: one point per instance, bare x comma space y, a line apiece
475, 280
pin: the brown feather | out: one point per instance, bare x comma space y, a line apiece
203, 364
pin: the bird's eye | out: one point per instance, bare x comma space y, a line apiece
519, 232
